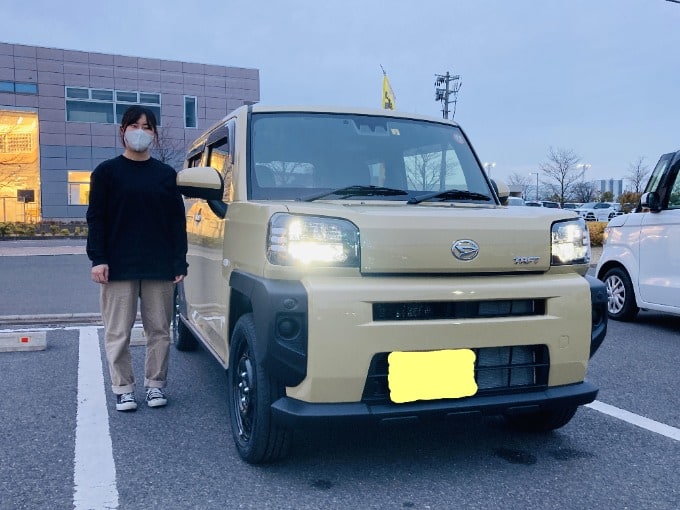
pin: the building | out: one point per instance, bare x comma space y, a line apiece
615, 186
60, 112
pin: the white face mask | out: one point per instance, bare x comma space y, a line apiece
138, 140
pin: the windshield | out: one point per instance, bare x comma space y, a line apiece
295, 156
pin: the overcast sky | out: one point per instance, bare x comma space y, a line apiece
599, 77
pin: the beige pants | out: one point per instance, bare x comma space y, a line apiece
118, 302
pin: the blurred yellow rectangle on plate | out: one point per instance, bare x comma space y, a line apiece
431, 375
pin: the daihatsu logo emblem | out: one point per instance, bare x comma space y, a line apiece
465, 249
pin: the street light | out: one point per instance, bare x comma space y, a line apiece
584, 166
536, 174
488, 167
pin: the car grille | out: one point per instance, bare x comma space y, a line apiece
433, 310
498, 370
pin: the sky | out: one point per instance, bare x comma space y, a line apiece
597, 77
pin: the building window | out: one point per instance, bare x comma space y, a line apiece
18, 88
79, 188
107, 106
190, 112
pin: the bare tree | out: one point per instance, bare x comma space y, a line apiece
584, 192
291, 172
518, 179
168, 150
562, 172
638, 173
423, 171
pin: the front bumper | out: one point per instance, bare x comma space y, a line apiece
292, 412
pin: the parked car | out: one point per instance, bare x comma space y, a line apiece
550, 204
571, 205
596, 211
616, 210
533, 203
332, 282
585, 211
514, 201
639, 263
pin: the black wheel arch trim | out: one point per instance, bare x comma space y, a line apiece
600, 317
273, 301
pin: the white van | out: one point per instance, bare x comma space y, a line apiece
640, 264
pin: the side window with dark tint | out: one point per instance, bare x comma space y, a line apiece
195, 160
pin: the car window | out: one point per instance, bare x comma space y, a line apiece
658, 172
309, 152
674, 198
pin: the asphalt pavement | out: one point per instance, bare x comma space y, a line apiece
46, 281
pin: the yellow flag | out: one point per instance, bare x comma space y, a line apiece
388, 99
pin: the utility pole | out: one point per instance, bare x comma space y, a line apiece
451, 85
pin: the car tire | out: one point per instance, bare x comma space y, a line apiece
251, 393
542, 421
621, 304
182, 337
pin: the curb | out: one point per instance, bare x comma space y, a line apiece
49, 319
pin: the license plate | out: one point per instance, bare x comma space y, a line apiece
431, 375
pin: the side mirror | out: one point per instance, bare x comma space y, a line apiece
200, 182
502, 191
650, 200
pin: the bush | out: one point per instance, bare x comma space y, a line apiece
596, 230
16, 229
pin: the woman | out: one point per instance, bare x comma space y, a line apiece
137, 244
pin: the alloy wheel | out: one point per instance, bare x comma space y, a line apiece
616, 294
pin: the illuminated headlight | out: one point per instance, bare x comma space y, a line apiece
312, 240
570, 243
605, 235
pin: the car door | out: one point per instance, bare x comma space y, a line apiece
206, 287
659, 278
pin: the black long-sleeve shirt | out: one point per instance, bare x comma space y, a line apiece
136, 221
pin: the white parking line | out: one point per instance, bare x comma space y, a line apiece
637, 420
94, 469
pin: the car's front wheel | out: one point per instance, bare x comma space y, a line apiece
542, 421
621, 304
251, 392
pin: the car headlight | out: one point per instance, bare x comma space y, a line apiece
312, 240
570, 243
605, 236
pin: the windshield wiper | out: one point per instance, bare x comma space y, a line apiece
356, 191
449, 194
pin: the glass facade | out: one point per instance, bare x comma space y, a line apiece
19, 166
99, 105
79, 187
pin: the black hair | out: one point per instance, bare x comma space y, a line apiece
132, 115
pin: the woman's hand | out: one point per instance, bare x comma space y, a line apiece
100, 273
179, 278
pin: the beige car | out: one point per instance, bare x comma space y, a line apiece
359, 265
